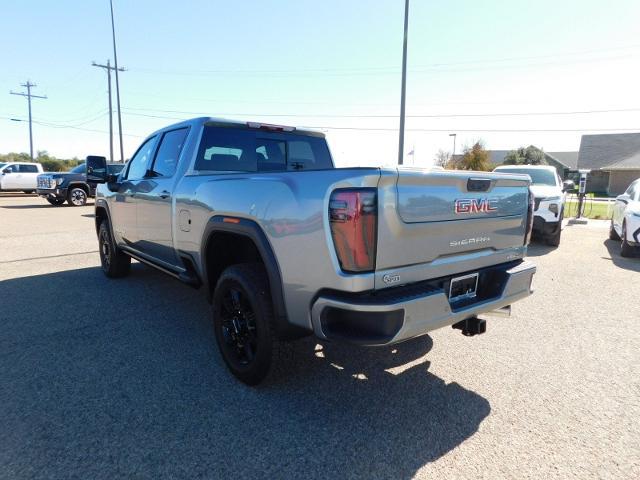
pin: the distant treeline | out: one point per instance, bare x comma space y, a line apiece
49, 163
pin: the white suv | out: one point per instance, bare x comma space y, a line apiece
625, 222
549, 193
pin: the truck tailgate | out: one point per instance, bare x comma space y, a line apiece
436, 223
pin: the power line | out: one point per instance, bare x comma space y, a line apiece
470, 130
448, 115
29, 96
53, 125
383, 129
426, 68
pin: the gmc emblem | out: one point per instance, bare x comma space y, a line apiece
475, 205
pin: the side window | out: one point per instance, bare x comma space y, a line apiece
11, 169
168, 154
28, 169
138, 164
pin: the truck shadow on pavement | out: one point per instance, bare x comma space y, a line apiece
537, 248
105, 379
613, 247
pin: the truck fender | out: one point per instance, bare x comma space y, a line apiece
253, 231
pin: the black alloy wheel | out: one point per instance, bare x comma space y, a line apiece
238, 326
243, 322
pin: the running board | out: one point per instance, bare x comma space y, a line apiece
186, 276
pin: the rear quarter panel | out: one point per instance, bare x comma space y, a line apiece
291, 208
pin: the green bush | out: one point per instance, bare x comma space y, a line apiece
49, 163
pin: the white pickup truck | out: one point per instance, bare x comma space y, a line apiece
19, 176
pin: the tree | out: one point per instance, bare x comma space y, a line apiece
442, 158
525, 156
475, 158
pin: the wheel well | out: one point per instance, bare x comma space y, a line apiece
225, 249
83, 186
101, 216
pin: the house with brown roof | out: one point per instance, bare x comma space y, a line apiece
612, 159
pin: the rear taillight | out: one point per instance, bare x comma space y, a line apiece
529, 226
353, 218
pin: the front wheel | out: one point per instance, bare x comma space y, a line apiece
243, 322
626, 250
613, 235
28, 192
554, 239
77, 197
115, 263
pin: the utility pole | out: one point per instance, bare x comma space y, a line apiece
108, 68
404, 82
29, 95
454, 135
115, 61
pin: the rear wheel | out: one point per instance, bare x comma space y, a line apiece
115, 263
77, 197
626, 250
243, 322
55, 201
613, 235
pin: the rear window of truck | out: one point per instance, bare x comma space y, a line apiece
245, 150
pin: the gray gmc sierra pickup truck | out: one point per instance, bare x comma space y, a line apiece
286, 245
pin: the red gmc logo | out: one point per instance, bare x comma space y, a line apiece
476, 205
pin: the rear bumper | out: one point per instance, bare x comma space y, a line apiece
396, 314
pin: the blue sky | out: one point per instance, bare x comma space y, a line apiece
334, 65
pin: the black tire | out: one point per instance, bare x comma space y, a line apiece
56, 202
626, 250
613, 235
28, 192
77, 197
243, 322
115, 263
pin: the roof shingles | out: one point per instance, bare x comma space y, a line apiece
609, 151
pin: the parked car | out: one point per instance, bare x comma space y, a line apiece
625, 222
71, 186
286, 245
549, 195
19, 176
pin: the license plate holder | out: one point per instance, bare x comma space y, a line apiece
464, 287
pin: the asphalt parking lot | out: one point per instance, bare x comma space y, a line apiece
121, 379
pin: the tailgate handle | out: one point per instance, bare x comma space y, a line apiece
478, 184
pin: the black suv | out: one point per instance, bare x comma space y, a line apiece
71, 186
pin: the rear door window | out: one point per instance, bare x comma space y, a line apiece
168, 154
28, 168
247, 150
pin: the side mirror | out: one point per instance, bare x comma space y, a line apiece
568, 185
97, 169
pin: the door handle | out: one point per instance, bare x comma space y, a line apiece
164, 194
